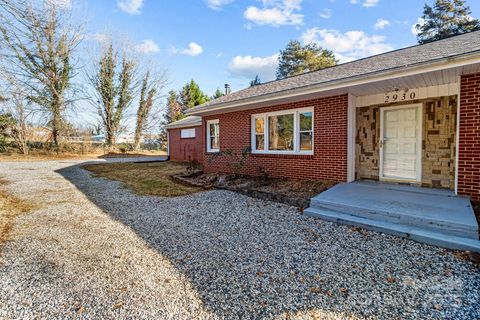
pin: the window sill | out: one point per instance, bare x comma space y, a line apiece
213, 151
283, 155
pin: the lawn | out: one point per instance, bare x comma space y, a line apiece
10, 208
145, 178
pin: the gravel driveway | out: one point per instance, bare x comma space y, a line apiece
94, 250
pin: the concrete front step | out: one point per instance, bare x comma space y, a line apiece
454, 228
422, 235
424, 208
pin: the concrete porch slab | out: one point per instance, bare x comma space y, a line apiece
399, 207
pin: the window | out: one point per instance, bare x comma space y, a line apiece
259, 133
283, 132
187, 133
213, 136
306, 131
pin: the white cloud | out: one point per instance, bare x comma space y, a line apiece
326, 13
147, 46
370, 3
217, 4
347, 46
194, 49
130, 6
366, 3
275, 13
413, 29
248, 67
381, 24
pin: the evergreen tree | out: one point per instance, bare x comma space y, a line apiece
256, 81
173, 112
297, 59
218, 93
191, 96
447, 18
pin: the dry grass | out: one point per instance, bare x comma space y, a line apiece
10, 208
145, 178
74, 156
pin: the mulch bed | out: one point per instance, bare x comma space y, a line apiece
288, 191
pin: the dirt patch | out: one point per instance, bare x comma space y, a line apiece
145, 178
289, 191
10, 208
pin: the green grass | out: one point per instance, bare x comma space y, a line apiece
145, 178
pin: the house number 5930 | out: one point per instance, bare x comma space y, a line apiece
400, 96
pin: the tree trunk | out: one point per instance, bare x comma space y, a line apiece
137, 138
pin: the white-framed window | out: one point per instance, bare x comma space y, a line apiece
283, 132
213, 136
187, 133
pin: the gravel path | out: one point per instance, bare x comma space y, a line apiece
94, 250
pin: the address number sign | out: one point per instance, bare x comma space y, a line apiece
401, 95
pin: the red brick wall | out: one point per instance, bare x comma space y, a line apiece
330, 143
469, 137
186, 149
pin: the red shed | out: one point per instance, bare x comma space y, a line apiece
185, 142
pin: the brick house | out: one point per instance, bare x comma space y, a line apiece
407, 116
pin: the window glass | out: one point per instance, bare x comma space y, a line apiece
306, 121
213, 142
259, 125
306, 132
305, 141
213, 129
213, 137
280, 132
259, 142
188, 133
259, 133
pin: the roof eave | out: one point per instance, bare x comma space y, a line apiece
186, 125
435, 65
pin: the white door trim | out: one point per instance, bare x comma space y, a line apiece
419, 141
351, 132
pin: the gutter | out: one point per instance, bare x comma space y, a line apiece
430, 66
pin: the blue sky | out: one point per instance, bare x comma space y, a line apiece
230, 41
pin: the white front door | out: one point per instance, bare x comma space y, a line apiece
401, 143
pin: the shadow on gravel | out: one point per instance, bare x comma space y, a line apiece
251, 259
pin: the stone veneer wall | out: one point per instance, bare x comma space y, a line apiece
438, 144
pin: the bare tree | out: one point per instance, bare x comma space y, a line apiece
19, 112
149, 94
38, 49
15, 103
114, 92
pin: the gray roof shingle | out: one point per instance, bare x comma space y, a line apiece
398, 59
190, 121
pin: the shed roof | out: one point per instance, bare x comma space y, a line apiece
190, 121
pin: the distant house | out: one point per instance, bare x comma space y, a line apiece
98, 138
39, 134
410, 116
185, 139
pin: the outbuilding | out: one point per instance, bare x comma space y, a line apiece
185, 139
